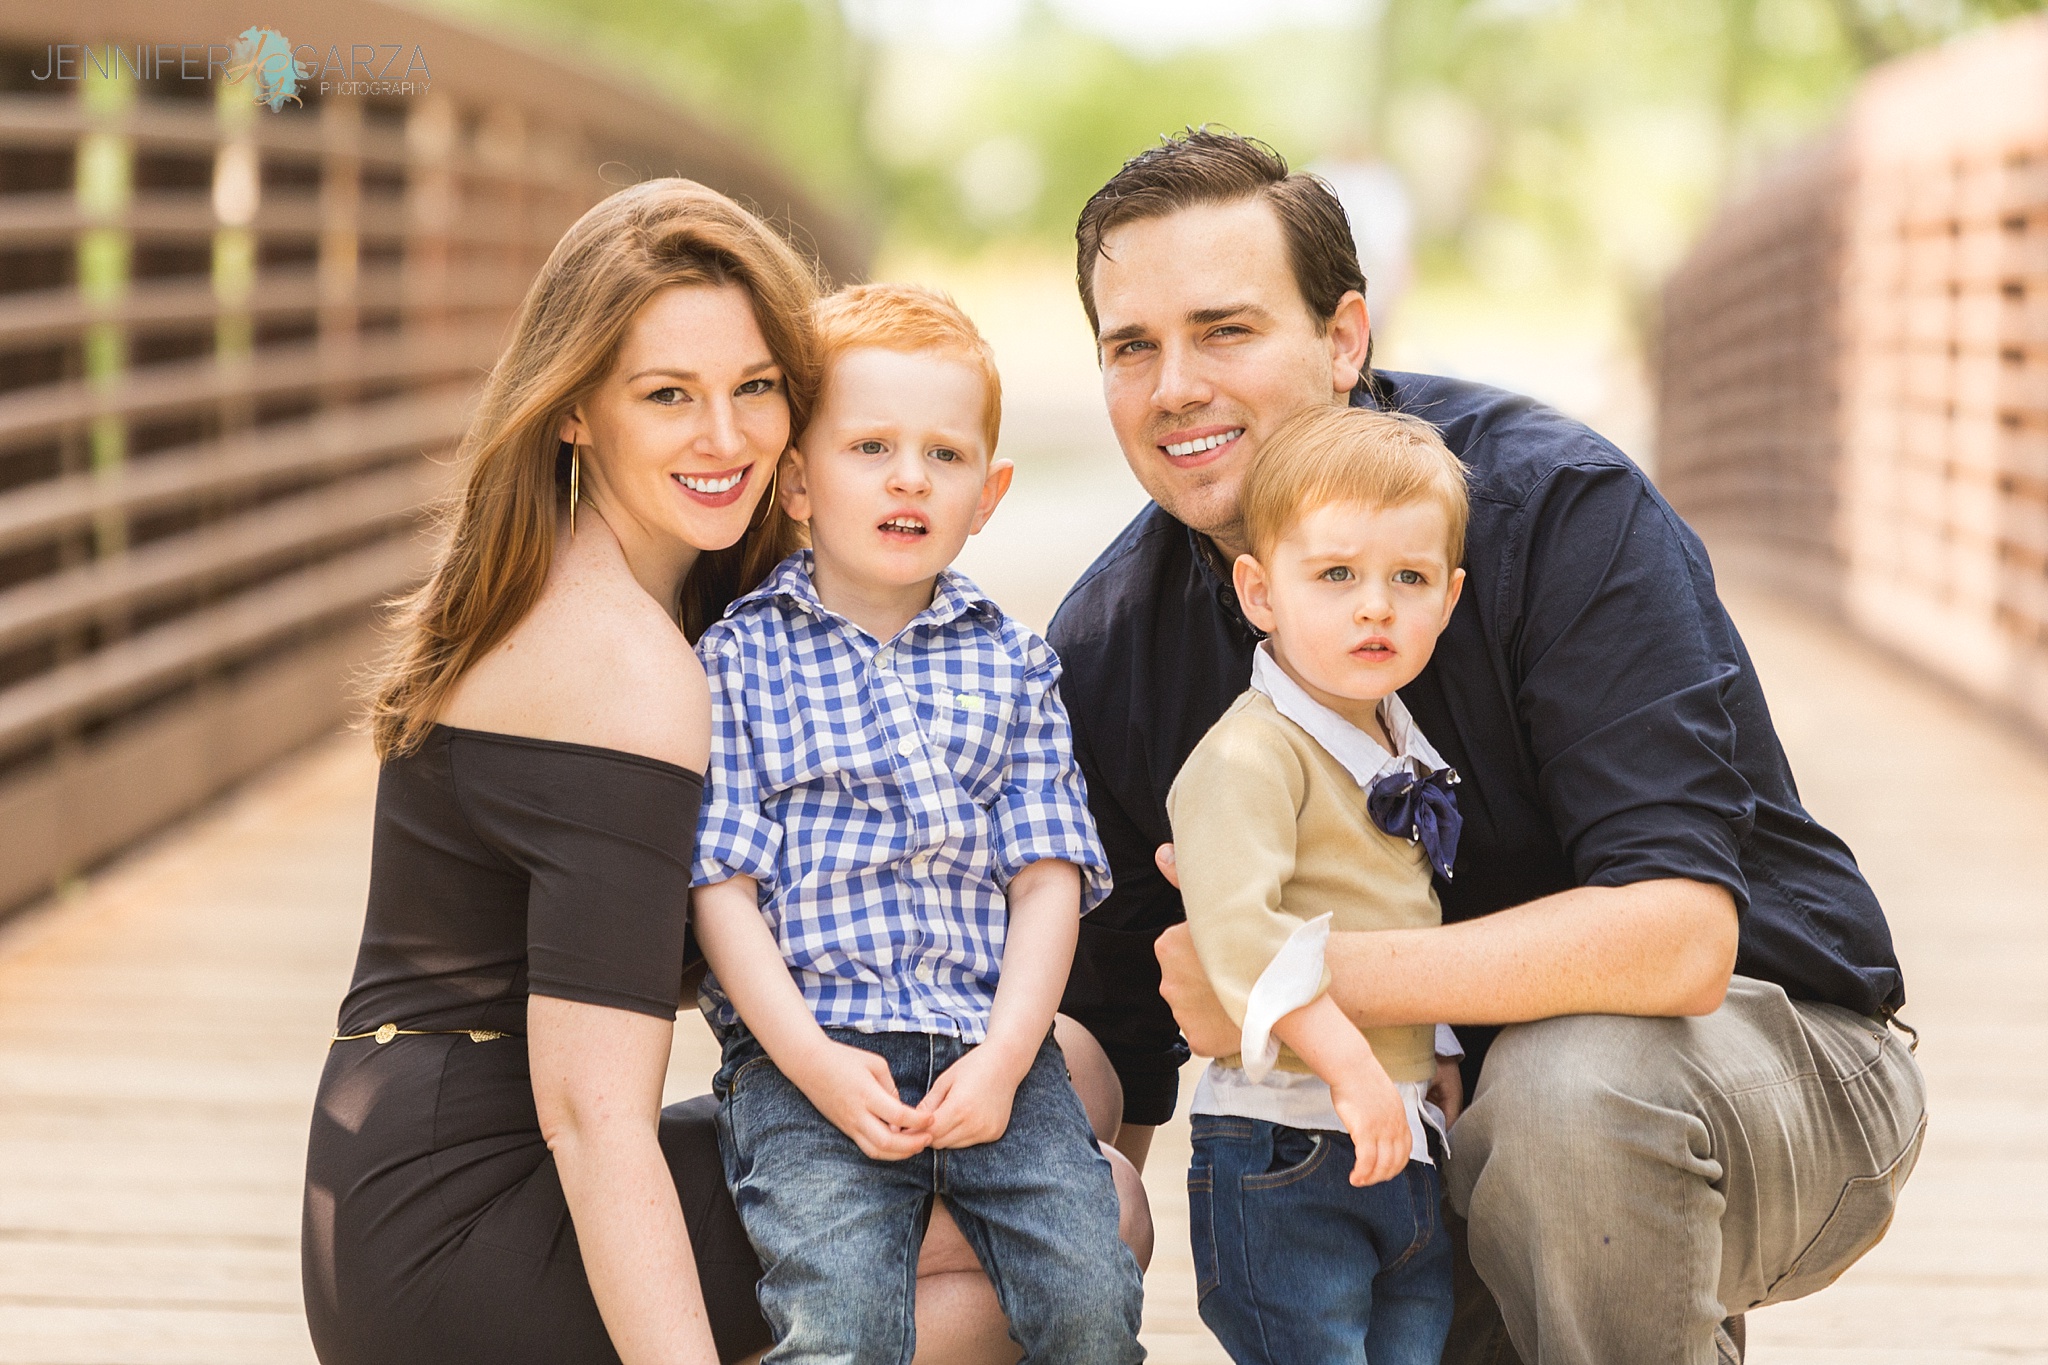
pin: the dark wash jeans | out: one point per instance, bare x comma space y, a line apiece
838, 1232
1296, 1266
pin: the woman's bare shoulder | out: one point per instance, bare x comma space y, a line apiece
595, 662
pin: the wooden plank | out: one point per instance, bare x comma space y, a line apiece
59, 314
30, 219
202, 385
294, 527
160, 656
331, 442
171, 1235
150, 1336
49, 315
66, 813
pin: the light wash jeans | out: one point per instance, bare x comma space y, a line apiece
838, 1233
1628, 1183
1296, 1266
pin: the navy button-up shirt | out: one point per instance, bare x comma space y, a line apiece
1590, 688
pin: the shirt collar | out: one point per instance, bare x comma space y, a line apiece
1361, 755
955, 595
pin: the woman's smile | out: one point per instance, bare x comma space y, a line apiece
715, 490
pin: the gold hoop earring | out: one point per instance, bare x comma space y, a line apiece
768, 502
575, 485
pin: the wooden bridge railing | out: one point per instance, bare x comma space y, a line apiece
232, 344
1854, 369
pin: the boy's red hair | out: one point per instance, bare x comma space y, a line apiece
909, 318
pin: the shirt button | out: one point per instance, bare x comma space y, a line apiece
907, 747
924, 971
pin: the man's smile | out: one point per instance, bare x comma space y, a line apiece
1193, 446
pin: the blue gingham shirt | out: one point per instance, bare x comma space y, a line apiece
883, 795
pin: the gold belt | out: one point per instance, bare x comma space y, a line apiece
384, 1033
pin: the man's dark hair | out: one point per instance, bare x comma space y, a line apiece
1208, 165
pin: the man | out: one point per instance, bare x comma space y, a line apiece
1696, 1106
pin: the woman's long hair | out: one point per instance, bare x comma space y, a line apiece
500, 539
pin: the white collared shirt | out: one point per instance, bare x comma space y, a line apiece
1295, 975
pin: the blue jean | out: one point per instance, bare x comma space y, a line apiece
838, 1232
1295, 1266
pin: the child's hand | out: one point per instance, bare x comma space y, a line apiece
969, 1103
1360, 1090
1373, 1114
853, 1088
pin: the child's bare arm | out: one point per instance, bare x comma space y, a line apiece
849, 1085
1360, 1090
970, 1101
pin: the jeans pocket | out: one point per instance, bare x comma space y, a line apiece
1302, 1168
1202, 1225
733, 1103
1857, 1223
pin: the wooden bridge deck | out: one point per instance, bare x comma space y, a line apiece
162, 1028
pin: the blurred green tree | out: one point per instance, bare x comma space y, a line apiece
1541, 138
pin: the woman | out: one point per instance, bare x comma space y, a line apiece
490, 1175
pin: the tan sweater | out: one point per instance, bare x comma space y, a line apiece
1270, 831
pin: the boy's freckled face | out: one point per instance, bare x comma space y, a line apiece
1355, 597
894, 472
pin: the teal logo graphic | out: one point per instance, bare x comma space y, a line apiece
266, 55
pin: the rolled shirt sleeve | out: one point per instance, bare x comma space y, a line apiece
1623, 683
1041, 810
734, 835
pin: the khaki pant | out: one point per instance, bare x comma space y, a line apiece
1628, 1183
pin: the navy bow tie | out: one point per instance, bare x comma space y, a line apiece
1422, 810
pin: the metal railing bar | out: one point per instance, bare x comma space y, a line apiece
303, 524
328, 442
169, 654
185, 386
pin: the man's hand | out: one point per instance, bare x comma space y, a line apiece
853, 1088
1208, 1027
1163, 855
1447, 1089
969, 1103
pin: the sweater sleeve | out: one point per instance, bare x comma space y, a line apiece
1234, 808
